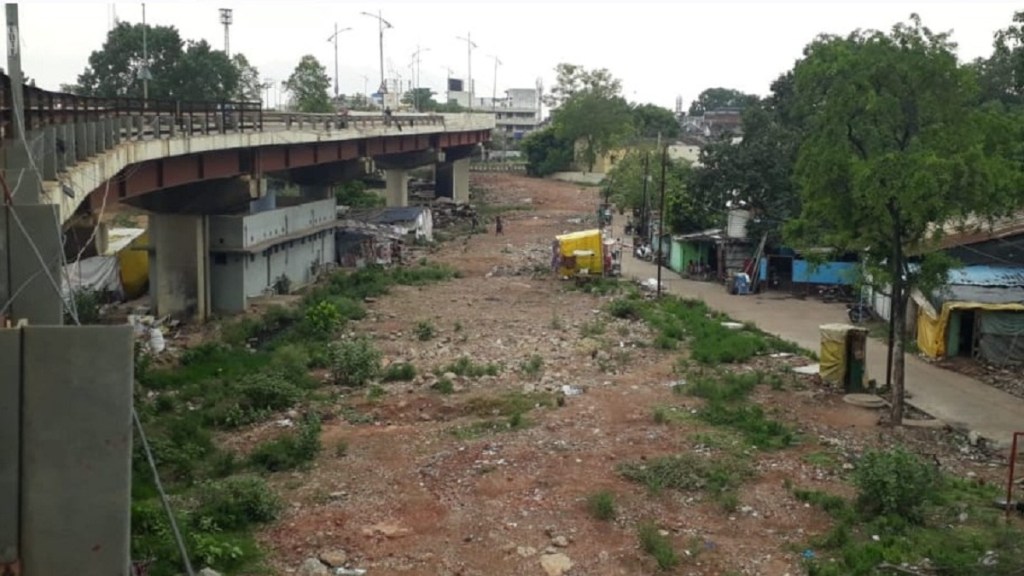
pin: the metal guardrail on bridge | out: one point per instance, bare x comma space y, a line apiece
65, 129
497, 166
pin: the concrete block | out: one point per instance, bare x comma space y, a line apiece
49, 158
34, 296
70, 156
81, 138
76, 450
91, 141
10, 441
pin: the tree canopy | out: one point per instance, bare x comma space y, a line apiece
572, 79
546, 152
309, 85
652, 120
178, 69
685, 211
596, 121
715, 98
895, 147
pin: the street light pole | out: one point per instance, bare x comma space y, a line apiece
334, 38
469, 64
494, 87
381, 24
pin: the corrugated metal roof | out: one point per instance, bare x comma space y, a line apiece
991, 276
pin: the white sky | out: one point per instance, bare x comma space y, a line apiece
660, 50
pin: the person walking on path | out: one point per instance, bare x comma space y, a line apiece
498, 229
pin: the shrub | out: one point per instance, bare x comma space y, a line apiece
376, 392
533, 366
292, 359
322, 319
399, 371
291, 450
354, 362
466, 367
625, 308
658, 546
444, 386
894, 482
235, 503
424, 330
87, 306
602, 505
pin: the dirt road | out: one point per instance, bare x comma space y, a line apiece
956, 399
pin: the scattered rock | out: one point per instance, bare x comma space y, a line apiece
386, 529
560, 541
334, 558
526, 551
313, 567
555, 564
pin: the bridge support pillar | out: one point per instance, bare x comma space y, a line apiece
179, 279
313, 192
451, 180
397, 181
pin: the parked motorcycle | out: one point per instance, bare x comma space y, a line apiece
859, 312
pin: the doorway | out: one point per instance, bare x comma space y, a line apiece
965, 333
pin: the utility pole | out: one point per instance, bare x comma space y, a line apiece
661, 217
494, 87
226, 19
334, 38
469, 65
645, 213
144, 73
417, 79
381, 25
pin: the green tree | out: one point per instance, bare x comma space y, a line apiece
597, 121
309, 85
114, 70
715, 98
572, 79
1001, 75
250, 88
685, 211
205, 74
359, 102
895, 148
421, 99
546, 152
652, 120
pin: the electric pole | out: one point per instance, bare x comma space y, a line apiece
469, 65
494, 86
334, 38
226, 19
381, 25
661, 217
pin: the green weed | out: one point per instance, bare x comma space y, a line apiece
601, 505
290, 451
399, 372
424, 330
658, 546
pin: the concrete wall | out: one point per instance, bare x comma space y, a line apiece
227, 279
75, 449
237, 232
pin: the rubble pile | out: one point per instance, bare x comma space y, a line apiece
529, 260
448, 214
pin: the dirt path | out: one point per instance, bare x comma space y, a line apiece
414, 481
954, 398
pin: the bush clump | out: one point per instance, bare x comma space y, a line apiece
235, 503
399, 372
354, 362
894, 482
290, 451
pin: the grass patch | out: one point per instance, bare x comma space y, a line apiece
375, 393
689, 472
601, 505
507, 404
599, 286
592, 328
399, 372
532, 367
489, 426
424, 330
657, 545
258, 369
469, 369
750, 421
290, 451
443, 386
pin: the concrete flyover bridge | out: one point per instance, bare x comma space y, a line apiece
201, 170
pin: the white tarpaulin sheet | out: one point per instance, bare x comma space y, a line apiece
99, 273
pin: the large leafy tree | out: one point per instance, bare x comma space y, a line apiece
595, 122
205, 74
715, 98
250, 87
652, 120
421, 99
114, 70
546, 152
309, 85
685, 209
756, 173
572, 79
894, 148
1001, 75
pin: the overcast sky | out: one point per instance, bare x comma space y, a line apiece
660, 50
